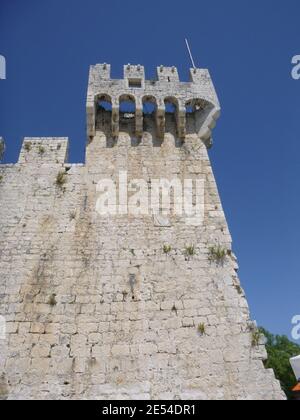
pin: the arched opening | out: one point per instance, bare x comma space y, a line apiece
149, 105
105, 105
171, 109
189, 109
103, 112
149, 113
195, 105
171, 105
127, 110
127, 105
196, 113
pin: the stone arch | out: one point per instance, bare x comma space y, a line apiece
175, 112
103, 110
197, 104
130, 115
149, 105
200, 118
171, 105
104, 101
127, 104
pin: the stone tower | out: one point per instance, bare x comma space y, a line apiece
122, 305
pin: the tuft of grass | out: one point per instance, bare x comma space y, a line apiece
190, 250
1, 178
41, 150
27, 146
201, 329
256, 337
239, 289
52, 300
217, 254
61, 179
167, 249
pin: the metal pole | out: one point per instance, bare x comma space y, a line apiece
190, 53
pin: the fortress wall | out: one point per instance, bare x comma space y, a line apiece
124, 306
77, 327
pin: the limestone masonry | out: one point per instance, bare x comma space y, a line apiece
124, 307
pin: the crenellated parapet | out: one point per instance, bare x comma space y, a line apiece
44, 150
166, 93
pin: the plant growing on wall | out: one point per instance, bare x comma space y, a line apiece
52, 300
201, 329
27, 146
256, 337
190, 250
217, 254
61, 179
167, 249
41, 150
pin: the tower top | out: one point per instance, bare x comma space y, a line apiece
197, 94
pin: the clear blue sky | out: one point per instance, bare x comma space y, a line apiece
248, 47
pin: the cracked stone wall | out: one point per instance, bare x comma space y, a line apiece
94, 306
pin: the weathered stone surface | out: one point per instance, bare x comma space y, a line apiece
95, 307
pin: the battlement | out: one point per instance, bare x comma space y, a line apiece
166, 93
44, 150
40, 151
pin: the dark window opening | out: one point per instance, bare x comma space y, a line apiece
135, 83
195, 105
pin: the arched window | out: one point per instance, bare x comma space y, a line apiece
104, 103
196, 113
189, 108
149, 105
127, 105
171, 105
127, 112
103, 112
195, 105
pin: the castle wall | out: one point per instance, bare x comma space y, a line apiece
124, 306
76, 325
